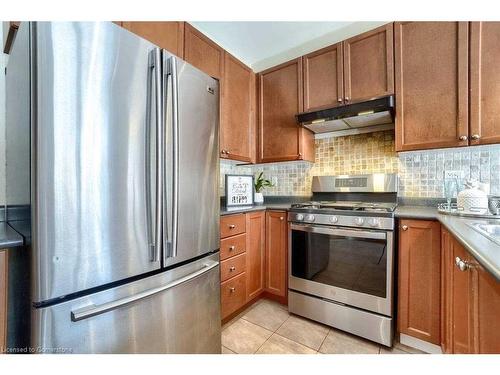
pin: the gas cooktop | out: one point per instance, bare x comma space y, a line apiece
347, 206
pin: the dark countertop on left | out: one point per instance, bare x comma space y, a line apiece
266, 206
9, 237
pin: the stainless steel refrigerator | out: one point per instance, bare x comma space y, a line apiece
112, 177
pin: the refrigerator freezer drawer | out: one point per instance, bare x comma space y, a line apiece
177, 311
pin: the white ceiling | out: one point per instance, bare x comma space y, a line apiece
261, 45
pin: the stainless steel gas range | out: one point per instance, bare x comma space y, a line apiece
341, 254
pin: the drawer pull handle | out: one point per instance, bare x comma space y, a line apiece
232, 290
231, 248
231, 269
404, 227
232, 226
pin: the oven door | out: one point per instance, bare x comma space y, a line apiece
350, 266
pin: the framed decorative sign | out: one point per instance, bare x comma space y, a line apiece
239, 190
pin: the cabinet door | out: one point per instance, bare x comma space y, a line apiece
369, 64
431, 72
462, 302
447, 263
237, 104
276, 253
281, 138
201, 52
487, 311
256, 227
420, 280
485, 82
323, 78
167, 35
3, 300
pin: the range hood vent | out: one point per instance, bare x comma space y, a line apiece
372, 113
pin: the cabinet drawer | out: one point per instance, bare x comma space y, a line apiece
233, 294
232, 246
232, 225
232, 267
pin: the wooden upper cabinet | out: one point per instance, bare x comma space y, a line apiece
237, 119
419, 280
485, 82
281, 138
167, 35
431, 76
276, 253
369, 65
203, 53
323, 78
256, 230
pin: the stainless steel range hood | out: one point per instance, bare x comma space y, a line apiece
367, 115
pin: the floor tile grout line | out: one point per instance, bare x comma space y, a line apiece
274, 332
322, 342
287, 338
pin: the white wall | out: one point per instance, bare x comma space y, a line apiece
3, 63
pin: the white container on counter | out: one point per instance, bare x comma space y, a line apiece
474, 198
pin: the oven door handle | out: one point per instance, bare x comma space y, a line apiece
359, 233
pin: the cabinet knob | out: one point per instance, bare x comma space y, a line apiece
475, 137
339, 100
347, 98
231, 269
281, 218
404, 227
223, 152
231, 248
462, 138
232, 290
461, 264
232, 226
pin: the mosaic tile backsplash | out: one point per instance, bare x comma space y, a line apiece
356, 154
421, 173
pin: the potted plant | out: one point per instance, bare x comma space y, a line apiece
260, 184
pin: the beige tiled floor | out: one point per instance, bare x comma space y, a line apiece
266, 327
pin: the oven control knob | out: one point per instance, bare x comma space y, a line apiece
373, 222
334, 219
299, 217
359, 221
310, 217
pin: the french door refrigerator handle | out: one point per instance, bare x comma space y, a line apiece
172, 70
159, 154
93, 310
154, 75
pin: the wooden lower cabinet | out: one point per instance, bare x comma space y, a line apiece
276, 253
419, 280
233, 294
254, 260
470, 303
256, 233
3, 300
487, 312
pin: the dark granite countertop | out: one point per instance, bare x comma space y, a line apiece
243, 209
9, 237
485, 251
